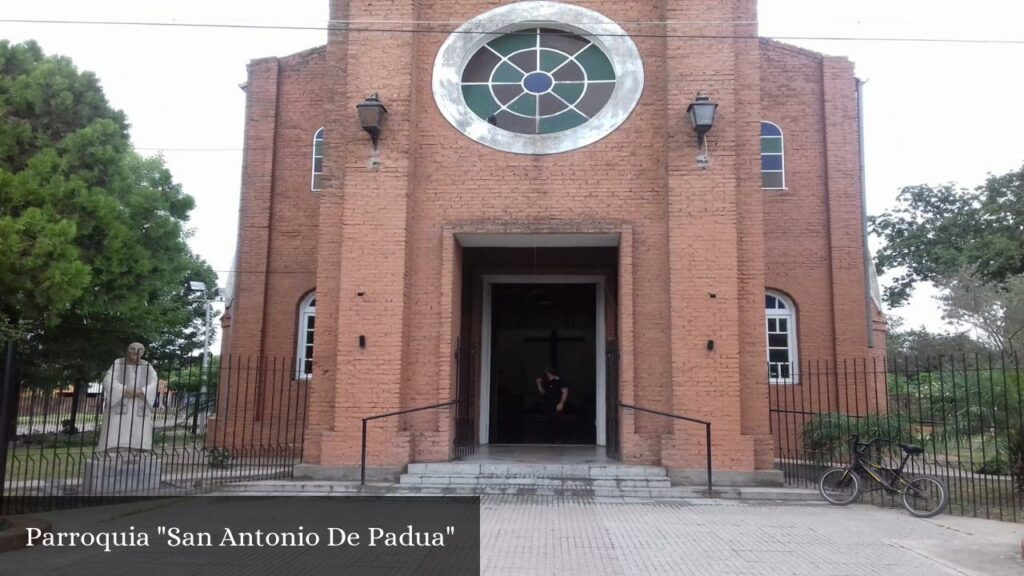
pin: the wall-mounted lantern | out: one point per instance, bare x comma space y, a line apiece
702, 116
371, 116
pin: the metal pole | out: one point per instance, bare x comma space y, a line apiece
204, 374
8, 415
206, 350
362, 464
708, 430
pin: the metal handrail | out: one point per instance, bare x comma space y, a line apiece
362, 465
707, 428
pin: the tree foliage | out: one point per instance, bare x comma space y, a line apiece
917, 350
935, 232
93, 251
191, 377
996, 311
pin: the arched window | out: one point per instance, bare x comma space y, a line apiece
318, 159
780, 318
304, 352
773, 157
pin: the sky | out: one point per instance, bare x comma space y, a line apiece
934, 112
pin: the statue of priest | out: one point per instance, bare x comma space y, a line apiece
129, 392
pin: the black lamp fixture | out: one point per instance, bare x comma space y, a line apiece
371, 116
702, 115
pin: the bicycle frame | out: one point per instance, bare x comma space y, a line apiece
875, 470
922, 495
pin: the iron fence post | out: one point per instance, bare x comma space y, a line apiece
8, 416
708, 430
362, 462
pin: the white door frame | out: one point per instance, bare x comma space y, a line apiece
599, 337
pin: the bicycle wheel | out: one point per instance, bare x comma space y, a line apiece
839, 486
925, 496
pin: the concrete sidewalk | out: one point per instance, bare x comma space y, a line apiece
570, 535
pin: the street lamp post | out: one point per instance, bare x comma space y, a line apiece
200, 287
206, 348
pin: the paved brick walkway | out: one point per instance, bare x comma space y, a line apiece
569, 536
526, 536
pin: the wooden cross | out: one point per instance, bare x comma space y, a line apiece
554, 339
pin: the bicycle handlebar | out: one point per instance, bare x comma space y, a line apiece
860, 447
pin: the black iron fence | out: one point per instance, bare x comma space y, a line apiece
465, 422
141, 431
967, 412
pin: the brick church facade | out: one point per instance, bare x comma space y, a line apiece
538, 196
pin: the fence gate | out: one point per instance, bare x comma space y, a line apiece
137, 430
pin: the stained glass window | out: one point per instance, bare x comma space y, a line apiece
773, 159
538, 81
318, 159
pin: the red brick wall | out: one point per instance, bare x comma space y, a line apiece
698, 246
277, 242
814, 249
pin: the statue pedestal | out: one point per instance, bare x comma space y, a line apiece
114, 473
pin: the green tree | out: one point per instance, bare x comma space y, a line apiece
93, 251
191, 377
917, 350
937, 231
995, 310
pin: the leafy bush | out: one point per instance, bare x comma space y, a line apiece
996, 466
1015, 455
968, 398
827, 437
219, 458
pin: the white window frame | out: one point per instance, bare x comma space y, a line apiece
782, 155
318, 136
789, 314
307, 310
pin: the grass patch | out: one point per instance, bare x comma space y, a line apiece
34, 463
51, 421
61, 456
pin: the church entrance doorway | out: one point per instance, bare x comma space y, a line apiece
531, 323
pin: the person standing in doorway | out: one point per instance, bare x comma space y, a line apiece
554, 392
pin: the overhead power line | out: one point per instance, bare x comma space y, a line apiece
347, 26
158, 149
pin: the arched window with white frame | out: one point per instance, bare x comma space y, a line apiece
318, 159
780, 321
773, 157
304, 351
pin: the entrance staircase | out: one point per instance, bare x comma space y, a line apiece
603, 481
526, 470
611, 480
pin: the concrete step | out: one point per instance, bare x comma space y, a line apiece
536, 481
333, 488
601, 471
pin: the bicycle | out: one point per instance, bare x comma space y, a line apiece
922, 495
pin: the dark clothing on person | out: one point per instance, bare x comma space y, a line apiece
553, 393
551, 398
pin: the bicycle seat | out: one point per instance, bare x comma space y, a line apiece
910, 448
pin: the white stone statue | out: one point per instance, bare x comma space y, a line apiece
129, 389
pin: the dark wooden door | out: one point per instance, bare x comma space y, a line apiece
535, 326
